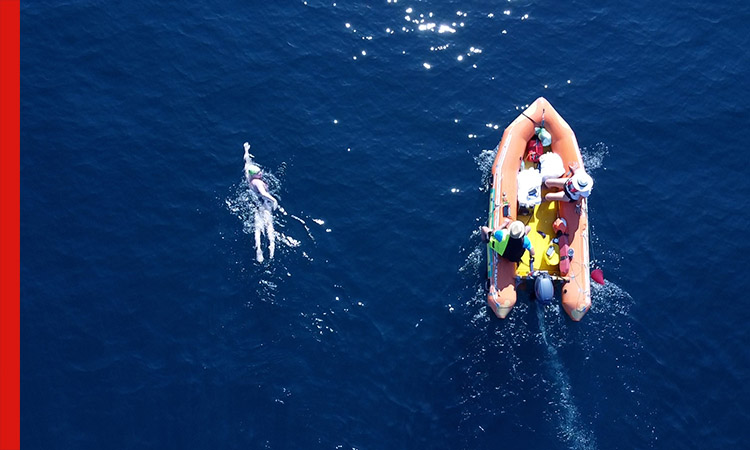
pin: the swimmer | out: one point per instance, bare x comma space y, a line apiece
266, 204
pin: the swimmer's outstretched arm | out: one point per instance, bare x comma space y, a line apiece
248, 159
247, 152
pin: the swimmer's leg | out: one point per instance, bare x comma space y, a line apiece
270, 233
258, 230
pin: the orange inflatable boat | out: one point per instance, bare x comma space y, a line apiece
559, 229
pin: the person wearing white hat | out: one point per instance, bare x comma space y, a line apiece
263, 220
572, 189
510, 242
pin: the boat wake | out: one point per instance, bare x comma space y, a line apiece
565, 413
503, 375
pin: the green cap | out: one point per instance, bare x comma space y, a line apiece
252, 169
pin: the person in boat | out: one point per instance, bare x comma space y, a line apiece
572, 189
510, 242
263, 218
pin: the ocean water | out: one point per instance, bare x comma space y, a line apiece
146, 321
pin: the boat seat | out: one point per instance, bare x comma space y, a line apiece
529, 188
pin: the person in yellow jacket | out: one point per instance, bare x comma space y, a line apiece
510, 242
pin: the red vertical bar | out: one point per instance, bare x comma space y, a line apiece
10, 274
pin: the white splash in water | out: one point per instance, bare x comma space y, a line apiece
484, 162
307, 229
288, 240
593, 157
263, 226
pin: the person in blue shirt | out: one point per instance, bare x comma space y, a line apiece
510, 242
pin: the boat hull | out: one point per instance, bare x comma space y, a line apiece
505, 276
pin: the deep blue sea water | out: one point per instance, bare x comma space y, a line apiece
147, 323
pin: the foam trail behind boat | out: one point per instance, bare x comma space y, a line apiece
571, 430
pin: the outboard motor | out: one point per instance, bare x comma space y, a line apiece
544, 290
